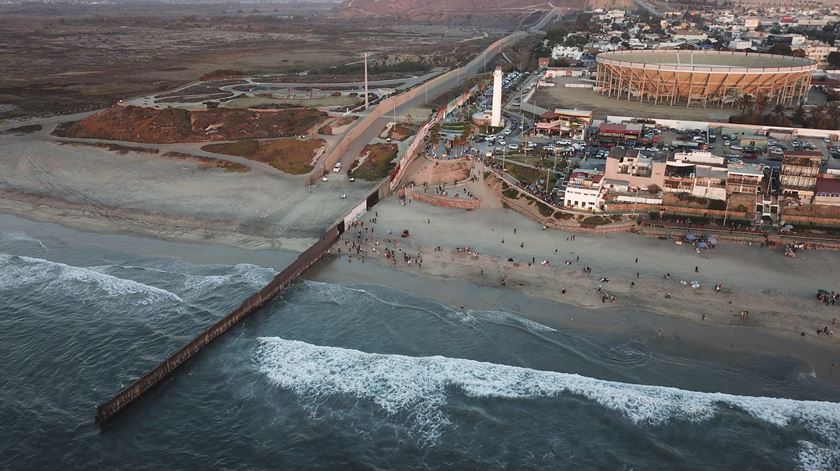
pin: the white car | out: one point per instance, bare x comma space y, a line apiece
324, 178
513, 147
564, 142
726, 142
337, 167
737, 148
507, 132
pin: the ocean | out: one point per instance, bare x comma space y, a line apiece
359, 375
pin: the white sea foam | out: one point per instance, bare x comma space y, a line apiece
418, 386
27, 270
817, 458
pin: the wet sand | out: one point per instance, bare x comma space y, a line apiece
777, 292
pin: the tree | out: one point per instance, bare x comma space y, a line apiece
779, 110
745, 101
780, 49
834, 59
799, 115
761, 102
653, 189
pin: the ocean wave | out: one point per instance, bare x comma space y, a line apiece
193, 281
342, 295
417, 386
18, 271
815, 458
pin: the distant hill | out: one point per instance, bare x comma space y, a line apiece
424, 7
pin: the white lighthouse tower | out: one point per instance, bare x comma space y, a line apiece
496, 117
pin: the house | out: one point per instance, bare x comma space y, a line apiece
585, 190
799, 173
638, 170
827, 190
743, 179
562, 122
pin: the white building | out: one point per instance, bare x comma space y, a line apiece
585, 190
567, 52
496, 117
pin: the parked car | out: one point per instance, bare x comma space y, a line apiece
337, 167
736, 148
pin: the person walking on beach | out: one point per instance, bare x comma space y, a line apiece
696, 269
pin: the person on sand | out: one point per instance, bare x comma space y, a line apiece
696, 269
522, 245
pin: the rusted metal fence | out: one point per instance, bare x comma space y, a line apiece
124, 398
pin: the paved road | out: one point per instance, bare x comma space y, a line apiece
450, 83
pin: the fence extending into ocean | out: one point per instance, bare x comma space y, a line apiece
167, 367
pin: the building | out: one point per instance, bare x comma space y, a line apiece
616, 133
554, 72
819, 53
496, 118
799, 173
637, 170
708, 77
585, 190
827, 190
743, 179
561, 122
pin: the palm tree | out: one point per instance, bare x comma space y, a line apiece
779, 110
745, 101
761, 102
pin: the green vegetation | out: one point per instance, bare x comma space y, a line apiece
511, 193
543, 208
525, 174
28, 129
379, 163
292, 156
595, 221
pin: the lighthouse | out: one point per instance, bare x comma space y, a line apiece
496, 117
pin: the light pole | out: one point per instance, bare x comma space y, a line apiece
726, 212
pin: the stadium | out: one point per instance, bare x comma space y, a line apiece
702, 78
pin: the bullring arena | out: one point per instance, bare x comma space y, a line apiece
704, 78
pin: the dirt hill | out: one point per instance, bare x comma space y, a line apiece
167, 126
453, 9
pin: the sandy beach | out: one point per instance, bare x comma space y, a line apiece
94, 189
777, 292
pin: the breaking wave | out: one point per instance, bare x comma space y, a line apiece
252, 275
18, 271
417, 386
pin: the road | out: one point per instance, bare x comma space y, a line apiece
475, 66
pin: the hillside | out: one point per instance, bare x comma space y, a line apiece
411, 7
420, 9
167, 126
